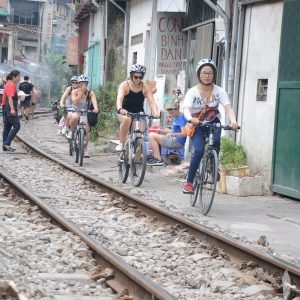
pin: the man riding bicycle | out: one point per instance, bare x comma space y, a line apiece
80, 100
201, 104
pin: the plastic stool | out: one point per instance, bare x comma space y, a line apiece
166, 151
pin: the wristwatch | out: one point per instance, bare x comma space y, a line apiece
119, 110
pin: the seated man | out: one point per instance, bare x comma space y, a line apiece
174, 138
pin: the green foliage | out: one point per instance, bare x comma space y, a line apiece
232, 154
108, 123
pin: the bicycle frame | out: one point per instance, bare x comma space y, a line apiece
134, 132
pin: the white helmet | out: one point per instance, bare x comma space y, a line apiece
74, 78
137, 69
83, 78
206, 62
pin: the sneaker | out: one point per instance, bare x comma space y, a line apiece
8, 148
188, 188
155, 162
69, 135
119, 148
64, 130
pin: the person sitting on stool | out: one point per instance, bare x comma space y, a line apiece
174, 138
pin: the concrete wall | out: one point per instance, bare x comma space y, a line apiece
260, 61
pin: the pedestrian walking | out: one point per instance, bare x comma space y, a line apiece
10, 111
27, 88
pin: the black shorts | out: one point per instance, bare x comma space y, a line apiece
25, 103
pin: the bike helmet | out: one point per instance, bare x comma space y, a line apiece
206, 62
92, 118
83, 78
137, 69
74, 78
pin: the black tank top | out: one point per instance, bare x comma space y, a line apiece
134, 102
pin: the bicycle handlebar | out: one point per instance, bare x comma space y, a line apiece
216, 125
139, 114
77, 110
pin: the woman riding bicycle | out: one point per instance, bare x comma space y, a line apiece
201, 103
66, 101
130, 98
80, 99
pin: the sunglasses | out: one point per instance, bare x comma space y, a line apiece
74, 82
171, 109
138, 77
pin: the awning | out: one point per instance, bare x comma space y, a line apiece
4, 12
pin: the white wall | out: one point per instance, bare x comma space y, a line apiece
260, 61
140, 15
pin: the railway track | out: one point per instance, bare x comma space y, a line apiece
260, 266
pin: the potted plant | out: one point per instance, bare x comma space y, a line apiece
235, 176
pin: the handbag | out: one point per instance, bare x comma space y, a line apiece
189, 130
92, 117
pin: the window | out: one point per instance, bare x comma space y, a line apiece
134, 58
262, 90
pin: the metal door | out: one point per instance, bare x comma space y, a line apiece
286, 151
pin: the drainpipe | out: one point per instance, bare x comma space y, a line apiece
126, 29
239, 48
233, 49
220, 12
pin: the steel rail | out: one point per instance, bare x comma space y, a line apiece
238, 251
138, 284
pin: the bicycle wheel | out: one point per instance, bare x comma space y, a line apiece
81, 145
138, 162
123, 164
208, 181
76, 145
196, 185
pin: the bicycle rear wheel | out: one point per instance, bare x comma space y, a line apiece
138, 162
81, 145
208, 181
123, 164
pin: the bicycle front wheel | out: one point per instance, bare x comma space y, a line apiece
81, 145
76, 143
123, 164
138, 162
208, 181
196, 185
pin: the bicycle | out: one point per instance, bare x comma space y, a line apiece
206, 178
56, 110
77, 142
133, 156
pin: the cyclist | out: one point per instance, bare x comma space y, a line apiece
80, 99
174, 138
130, 98
203, 97
66, 101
